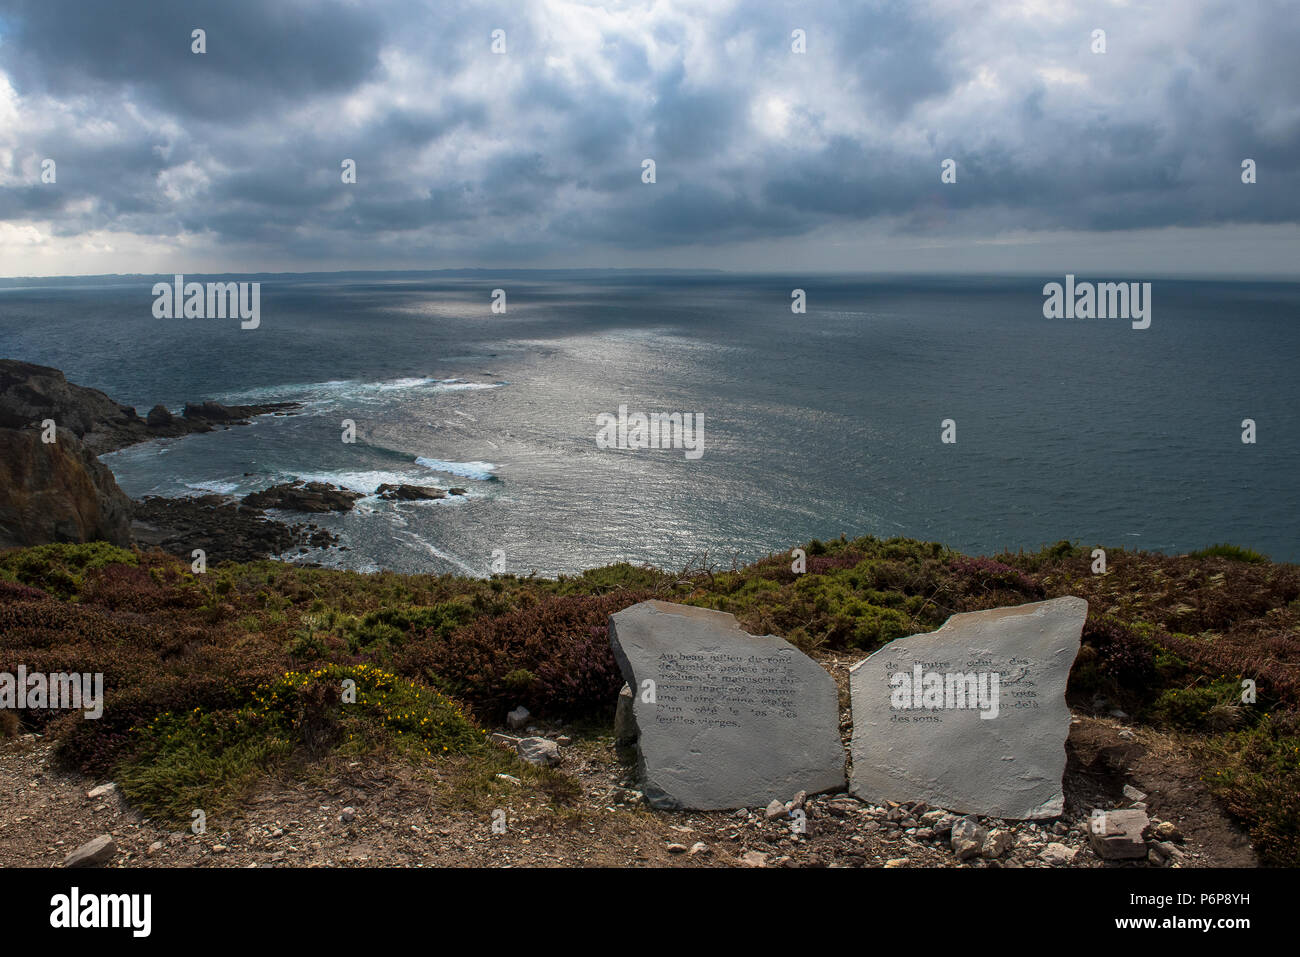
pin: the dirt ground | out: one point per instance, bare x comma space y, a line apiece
388, 812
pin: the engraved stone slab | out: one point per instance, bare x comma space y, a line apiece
735, 721
972, 717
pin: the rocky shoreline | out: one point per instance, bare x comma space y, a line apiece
53, 487
31, 394
225, 530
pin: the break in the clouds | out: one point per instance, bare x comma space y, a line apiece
168, 160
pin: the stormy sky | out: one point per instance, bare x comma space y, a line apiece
765, 159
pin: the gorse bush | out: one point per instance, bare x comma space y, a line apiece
1214, 706
1234, 552
59, 569
377, 631
204, 758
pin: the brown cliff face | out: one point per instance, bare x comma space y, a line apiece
60, 492
30, 394
57, 492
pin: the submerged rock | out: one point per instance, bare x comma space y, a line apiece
226, 531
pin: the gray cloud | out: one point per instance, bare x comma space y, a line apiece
466, 157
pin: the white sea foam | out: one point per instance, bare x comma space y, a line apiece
220, 488
365, 482
352, 390
473, 470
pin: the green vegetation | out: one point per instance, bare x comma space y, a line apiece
1256, 773
1235, 552
1214, 706
215, 680
207, 758
60, 569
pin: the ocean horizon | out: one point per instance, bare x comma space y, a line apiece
941, 408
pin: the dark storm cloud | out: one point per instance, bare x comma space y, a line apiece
258, 53
461, 152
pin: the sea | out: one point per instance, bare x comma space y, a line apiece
812, 425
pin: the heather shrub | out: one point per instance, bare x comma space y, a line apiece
11, 591
207, 679
1266, 649
560, 640
976, 575
1115, 660
134, 588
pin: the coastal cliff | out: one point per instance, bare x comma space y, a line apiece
53, 488
57, 492
31, 393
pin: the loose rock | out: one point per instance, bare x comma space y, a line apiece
967, 838
539, 751
1057, 854
1117, 835
93, 853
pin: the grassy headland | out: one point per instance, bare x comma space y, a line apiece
213, 680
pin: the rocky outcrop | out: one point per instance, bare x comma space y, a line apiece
409, 493
60, 492
302, 496
30, 394
199, 416
57, 492
160, 417
226, 531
